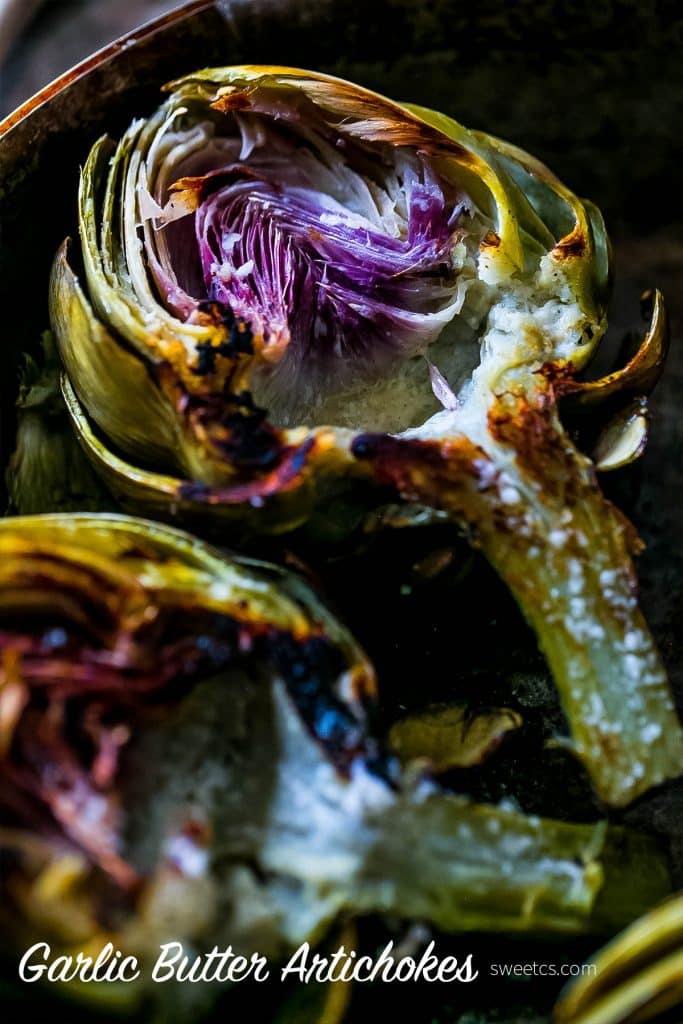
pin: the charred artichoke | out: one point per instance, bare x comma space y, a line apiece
300, 295
183, 742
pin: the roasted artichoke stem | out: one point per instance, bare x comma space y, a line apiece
437, 861
534, 508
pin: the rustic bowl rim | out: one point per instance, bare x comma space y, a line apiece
100, 57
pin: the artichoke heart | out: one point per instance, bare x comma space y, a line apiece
296, 291
186, 757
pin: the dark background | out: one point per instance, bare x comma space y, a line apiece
594, 88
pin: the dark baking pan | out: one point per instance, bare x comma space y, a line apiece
593, 88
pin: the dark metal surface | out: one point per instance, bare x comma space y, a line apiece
593, 88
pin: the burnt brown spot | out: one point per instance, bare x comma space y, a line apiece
490, 240
450, 475
236, 429
541, 449
571, 246
558, 377
288, 474
205, 185
228, 426
231, 101
609, 744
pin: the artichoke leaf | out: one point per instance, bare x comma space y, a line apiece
122, 399
452, 736
624, 438
284, 499
47, 471
638, 976
641, 373
613, 410
622, 395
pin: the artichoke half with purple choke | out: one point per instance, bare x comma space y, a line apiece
185, 757
300, 300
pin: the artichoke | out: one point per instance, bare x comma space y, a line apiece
183, 741
302, 300
636, 978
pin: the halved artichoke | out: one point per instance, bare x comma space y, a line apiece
184, 757
301, 298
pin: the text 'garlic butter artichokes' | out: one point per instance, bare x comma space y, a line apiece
299, 294
184, 756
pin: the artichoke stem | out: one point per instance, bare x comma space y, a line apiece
477, 867
531, 502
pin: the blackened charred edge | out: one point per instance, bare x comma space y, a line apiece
236, 428
250, 442
239, 340
368, 446
310, 666
418, 469
288, 474
206, 359
381, 446
309, 669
